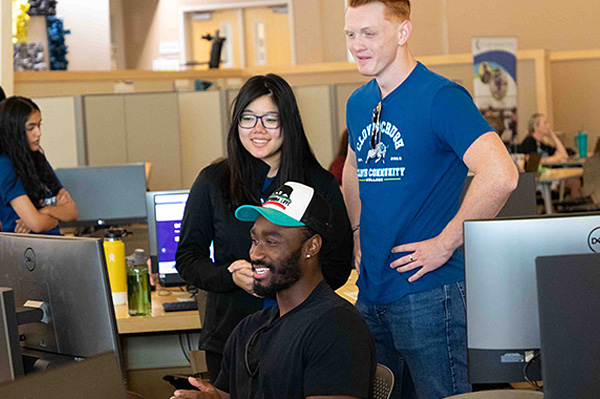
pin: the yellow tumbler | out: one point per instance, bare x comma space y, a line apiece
114, 250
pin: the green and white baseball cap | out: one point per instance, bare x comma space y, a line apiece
291, 205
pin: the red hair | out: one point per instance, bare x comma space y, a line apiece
397, 8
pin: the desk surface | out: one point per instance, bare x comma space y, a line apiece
550, 175
569, 163
188, 320
160, 320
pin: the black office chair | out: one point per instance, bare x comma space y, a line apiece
384, 382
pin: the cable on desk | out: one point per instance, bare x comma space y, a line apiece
531, 382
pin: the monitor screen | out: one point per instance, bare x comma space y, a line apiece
568, 289
69, 276
502, 303
165, 212
106, 195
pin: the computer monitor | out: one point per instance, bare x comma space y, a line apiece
502, 304
106, 195
568, 293
95, 378
67, 276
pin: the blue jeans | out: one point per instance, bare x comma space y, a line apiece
422, 338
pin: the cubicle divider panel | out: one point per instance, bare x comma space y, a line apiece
59, 131
203, 130
315, 104
105, 130
152, 127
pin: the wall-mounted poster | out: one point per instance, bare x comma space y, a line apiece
495, 83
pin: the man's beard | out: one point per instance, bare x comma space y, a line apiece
282, 277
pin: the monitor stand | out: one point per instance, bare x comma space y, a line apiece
38, 362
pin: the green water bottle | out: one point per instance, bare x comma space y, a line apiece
138, 284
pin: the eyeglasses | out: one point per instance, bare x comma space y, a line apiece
375, 133
252, 352
269, 120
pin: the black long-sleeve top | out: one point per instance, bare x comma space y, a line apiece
209, 218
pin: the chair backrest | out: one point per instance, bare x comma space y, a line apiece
384, 382
533, 162
500, 394
591, 177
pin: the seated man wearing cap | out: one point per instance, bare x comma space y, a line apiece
313, 343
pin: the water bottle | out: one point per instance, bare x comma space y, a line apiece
138, 284
581, 143
114, 250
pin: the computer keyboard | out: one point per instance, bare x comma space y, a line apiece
180, 306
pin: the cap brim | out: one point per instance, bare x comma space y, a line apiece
249, 213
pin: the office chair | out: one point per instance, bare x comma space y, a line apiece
591, 177
590, 201
500, 394
384, 382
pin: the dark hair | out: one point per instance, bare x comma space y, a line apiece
296, 154
30, 167
2, 95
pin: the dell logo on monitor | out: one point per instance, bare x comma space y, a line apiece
29, 259
594, 240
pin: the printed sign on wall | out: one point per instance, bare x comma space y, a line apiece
495, 83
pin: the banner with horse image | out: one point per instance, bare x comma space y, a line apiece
495, 83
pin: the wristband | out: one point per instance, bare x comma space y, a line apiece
355, 228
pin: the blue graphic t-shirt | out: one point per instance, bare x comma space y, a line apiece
410, 182
11, 188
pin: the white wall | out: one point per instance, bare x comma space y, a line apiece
89, 42
6, 52
59, 132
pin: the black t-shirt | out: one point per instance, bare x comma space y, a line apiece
530, 145
321, 347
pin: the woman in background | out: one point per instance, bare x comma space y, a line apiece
542, 139
266, 146
31, 196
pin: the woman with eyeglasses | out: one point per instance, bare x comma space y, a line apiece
32, 198
266, 146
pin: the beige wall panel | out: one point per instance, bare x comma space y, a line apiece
202, 132
59, 134
277, 32
343, 93
549, 24
47, 89
315, 108
308, 31
152, 122
332, 25
576, 93
427, 37
6, 48
146, 23
527, 96
105, 130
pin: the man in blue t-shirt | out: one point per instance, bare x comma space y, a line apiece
413, 135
